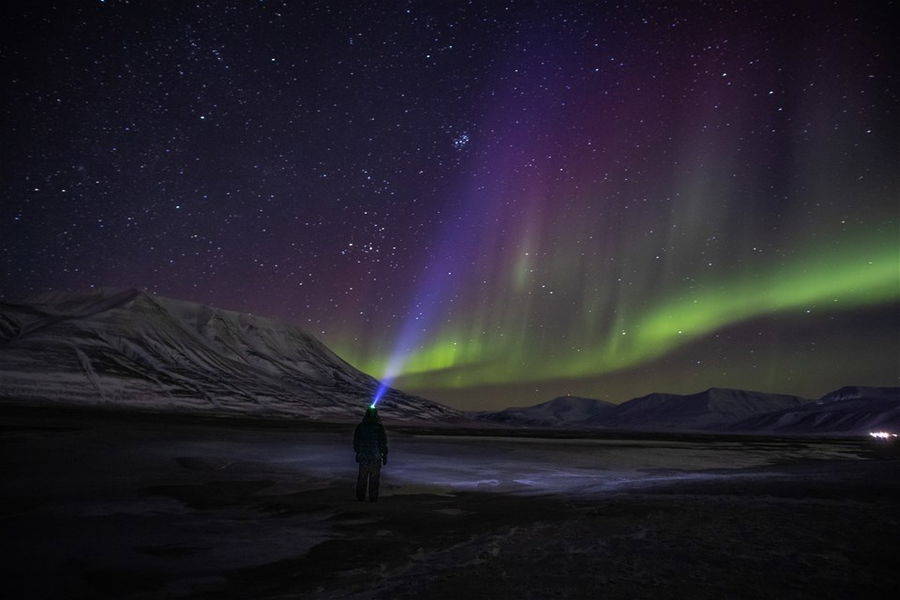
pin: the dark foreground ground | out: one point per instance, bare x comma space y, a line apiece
109, 508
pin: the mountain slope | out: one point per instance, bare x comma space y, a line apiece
559, 412
714, 408
853, 392
130, 349
847, 410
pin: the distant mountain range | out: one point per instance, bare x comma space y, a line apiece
131, 350
559, 412
128, 349
849, 410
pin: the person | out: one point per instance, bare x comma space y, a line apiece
370, 445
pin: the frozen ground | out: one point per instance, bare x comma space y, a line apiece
125, 508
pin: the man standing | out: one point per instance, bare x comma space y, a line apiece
370, 445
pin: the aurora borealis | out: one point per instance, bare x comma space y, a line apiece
496, 203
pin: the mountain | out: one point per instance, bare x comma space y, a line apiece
559, 412
847, 410
128, 349
861, 393
712, 409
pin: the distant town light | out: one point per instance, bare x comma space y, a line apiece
883, 435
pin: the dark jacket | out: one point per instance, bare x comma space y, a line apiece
370, 443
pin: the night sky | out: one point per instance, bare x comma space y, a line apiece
489, 203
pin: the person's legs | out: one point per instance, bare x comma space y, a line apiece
361, 482
374, 480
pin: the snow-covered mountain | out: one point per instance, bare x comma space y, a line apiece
854, 410
710, 410
714, 408
853, 392
559, 412
847, 410
129, 349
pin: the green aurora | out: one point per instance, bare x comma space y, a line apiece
686, 234
466, 352
487, 204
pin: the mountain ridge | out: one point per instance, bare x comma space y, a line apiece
851, 409
132, 349
558, 411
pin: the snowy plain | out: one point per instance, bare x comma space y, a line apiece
98, 508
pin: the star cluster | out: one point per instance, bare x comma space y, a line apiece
500, 201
